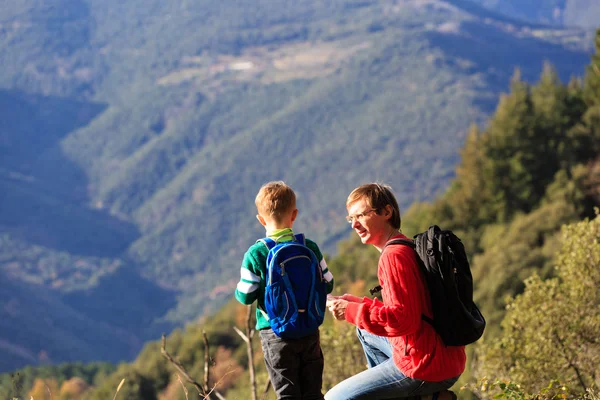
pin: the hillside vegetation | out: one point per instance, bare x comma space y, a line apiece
583, 13
523, 202
135, 136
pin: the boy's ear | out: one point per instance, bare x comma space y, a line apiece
294, 214
261, 220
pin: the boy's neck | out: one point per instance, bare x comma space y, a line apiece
276, 227
272, 224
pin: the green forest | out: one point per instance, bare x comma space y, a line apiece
133, 138
524, 200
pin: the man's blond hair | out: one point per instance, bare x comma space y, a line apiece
275, 199
377, 197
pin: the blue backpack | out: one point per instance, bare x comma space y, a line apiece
295, 291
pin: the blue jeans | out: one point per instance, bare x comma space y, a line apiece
383, 380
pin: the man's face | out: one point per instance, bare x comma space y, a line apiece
371, 227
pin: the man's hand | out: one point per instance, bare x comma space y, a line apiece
338, 308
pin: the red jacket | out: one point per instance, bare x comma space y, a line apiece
418, 351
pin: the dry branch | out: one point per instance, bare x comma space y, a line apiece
247, 337
206, 360
266, 389
201, 390
180, 368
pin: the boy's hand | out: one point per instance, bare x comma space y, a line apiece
330, 299
338, 308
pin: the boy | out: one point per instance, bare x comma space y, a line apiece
295, 366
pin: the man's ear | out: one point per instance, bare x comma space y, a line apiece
388, 211
261, 220
294, 214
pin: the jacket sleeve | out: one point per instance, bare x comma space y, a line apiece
327, 275
247, 289
400, 312
323, 264
356, 299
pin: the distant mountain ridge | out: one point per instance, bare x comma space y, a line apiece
569, 13
160, 122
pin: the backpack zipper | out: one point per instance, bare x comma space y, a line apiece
282, 265
287, 301
317, 308
293, 258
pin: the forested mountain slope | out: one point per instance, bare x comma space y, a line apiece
582, 13
135, 135
526, 241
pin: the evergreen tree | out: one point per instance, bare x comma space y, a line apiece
584, 138
531, 239
558, 109
468, 194
511, 153
591, 86
549, 98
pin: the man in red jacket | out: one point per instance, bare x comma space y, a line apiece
406, 357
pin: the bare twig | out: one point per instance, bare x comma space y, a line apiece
119, 388
48, 389
183, 387
213, 390
243, 336
570, 361
247, 337
266, 389
206, 360
180, 368
201, 391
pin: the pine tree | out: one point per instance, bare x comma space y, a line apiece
467, 195
584, 138
510, 153
591, 86
557, 108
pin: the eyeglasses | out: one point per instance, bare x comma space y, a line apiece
359, 217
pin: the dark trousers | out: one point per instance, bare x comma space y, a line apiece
295, 366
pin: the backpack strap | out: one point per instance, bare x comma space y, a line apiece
412, 245
270, 243
300, 238
404, 242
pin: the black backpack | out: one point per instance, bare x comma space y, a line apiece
444, 263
